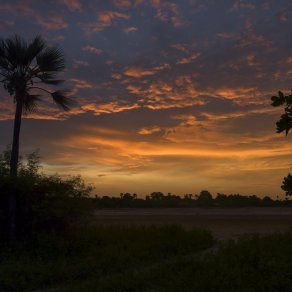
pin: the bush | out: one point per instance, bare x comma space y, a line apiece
43, 202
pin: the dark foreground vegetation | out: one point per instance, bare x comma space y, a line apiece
44, 203
149, 258
94, 254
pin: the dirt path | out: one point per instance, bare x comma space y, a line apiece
224, 223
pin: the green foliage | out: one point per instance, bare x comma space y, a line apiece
285, 122
287, 185
253, 264
60, 97
113, 258
44, 202
94, 253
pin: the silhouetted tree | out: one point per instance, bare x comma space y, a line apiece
23, 65
44, 202
205, 198
156, 196
287, 185
267, 201
285, 122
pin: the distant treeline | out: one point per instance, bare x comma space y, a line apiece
204, 199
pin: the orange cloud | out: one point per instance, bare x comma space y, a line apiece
137, 72
92, 49
124, 145
117, 76
225, 35
135, 89
46, 110
52, 22
251, 60
49, 22
122, 4
130, 29
111, 107
79, 63
168, 11
162, 67
243, 4
182, 47
252, 38
163, 95
149, 130
268, 111
188, 60
177, 21
240, 94
19, 7
72, 4
105, 19
191, 155
81, 84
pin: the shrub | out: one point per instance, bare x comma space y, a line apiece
44, 202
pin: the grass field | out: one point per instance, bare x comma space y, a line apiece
145, 252
224, 223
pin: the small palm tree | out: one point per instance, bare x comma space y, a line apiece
23, 66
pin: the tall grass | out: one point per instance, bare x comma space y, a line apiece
252, 264
93, 253
152, 258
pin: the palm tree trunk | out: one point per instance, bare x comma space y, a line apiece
15, 143
13, 169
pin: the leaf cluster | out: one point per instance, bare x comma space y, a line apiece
285, 122
44, 202
287, 185
23, 65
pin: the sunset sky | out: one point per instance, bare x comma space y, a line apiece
170, 96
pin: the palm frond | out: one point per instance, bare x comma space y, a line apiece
49, 78
30, 103
15, 49
23, 64
4, 65
51, 60
35, 48
61, 98
52, 81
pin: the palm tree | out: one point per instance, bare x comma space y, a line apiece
23, 66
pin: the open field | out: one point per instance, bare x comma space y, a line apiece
147, 253
224, 223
